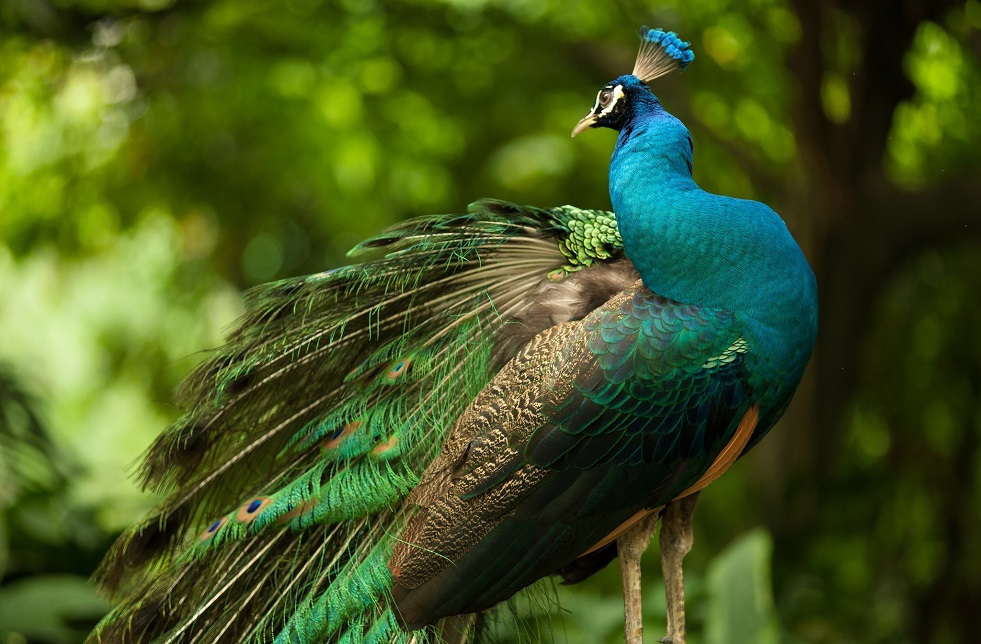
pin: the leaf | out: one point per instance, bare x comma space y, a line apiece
740, 596
52, 608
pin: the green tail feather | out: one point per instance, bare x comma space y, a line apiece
285, 479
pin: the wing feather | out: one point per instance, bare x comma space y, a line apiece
592, 422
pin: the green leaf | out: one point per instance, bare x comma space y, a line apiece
52, 608
740, 597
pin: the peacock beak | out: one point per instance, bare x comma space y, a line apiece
585, 122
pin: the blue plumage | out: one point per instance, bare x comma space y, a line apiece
709, 250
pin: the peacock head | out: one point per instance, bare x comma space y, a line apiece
660, 53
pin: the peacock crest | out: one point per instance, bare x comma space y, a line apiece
661, 52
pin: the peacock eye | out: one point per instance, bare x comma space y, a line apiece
604, 97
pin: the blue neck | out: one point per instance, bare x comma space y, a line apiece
696, 247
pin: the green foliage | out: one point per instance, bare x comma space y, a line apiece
740, 601
936, 132
915, 458
35, 517
48, 608
108, 335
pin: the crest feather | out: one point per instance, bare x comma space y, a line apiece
661, 53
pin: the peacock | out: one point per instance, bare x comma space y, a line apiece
385, 451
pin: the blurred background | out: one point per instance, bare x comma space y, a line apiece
158, 157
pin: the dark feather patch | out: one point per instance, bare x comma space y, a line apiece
150, 541
570, 300
177, 452
143, 626
146, 544
581, 568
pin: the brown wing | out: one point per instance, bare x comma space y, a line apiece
570, 440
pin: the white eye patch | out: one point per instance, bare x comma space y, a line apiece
607, 99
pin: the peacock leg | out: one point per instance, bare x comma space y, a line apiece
675, 541
630, 547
